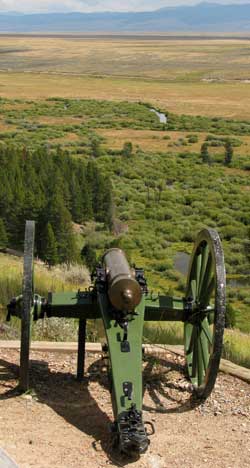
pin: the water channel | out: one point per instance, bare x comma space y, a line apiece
181, 264
162, 117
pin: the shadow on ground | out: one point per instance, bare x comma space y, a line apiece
74, 402
167, 385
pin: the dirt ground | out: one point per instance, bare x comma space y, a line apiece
63, 423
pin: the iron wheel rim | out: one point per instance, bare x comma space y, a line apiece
205, 319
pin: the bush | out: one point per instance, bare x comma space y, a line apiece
192, 138
230, 317
88, 255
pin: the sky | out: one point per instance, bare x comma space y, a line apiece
35, 6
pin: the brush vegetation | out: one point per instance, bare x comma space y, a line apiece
163, 192
162, 195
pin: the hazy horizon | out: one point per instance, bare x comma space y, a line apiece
88, 6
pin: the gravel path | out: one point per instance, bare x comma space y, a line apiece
66, 424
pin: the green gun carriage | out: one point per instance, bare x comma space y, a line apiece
119, 295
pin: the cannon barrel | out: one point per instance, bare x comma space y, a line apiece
123, 289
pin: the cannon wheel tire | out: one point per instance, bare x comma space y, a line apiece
205, 312
28, 291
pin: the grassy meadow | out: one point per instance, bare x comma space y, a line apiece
58, 278
199, 77
71, 91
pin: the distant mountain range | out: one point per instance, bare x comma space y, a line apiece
204, 17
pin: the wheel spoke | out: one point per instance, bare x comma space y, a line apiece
205, 349
204, 262
198, 273
193, 289
206, 295
194, 358
207, 331
200, 360
210, 316
190, 345
207, 272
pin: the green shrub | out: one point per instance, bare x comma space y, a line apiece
230, 317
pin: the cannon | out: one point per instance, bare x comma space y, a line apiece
119, 295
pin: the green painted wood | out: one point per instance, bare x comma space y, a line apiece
153, 314
205, 254
27, 303
200, 366
164, 308
85, 306
125, 367
73, 305
81, 349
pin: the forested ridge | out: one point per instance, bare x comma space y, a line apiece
53, 189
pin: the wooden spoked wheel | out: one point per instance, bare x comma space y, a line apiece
27, 299
205, 312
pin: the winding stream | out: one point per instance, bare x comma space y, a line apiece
181, 264
162, 117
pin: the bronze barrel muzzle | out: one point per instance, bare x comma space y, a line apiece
123, 289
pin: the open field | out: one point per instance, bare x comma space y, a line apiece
196, 98
149, 140
186, 59
205, 77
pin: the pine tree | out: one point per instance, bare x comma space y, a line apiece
108, 205
88, 256
49, 252
76, 200
6, 196
205, 156
61, 222
51, 188
3, 235
86, 199
228, 153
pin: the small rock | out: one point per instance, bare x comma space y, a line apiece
27, 397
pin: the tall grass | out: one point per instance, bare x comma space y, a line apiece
236, 344
59, 278
163, 333
237, 347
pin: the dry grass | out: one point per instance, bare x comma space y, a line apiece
150, 140
50, 120
58, 278
164, 58
175, 75
230, 100
237, 347
5, 127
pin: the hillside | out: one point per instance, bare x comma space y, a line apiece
156, 218
204, 17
